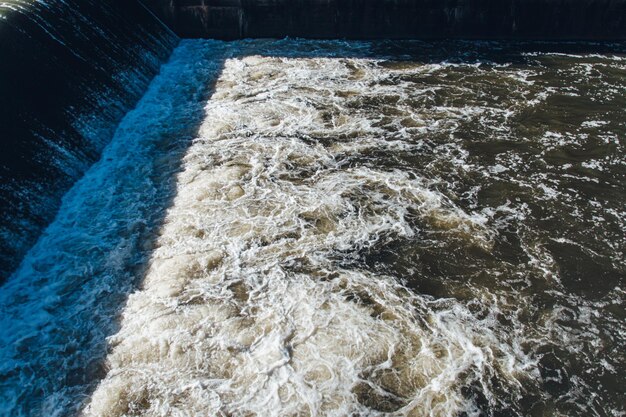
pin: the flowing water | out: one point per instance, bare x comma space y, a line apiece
339, 229
69, 72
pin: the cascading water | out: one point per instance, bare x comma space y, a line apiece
339, 228
70, 70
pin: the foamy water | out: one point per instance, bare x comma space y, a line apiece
354, 229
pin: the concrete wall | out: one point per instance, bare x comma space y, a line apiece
366, 19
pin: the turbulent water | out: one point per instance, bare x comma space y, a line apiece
303, 228
69, 72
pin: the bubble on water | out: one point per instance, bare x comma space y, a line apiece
245, 308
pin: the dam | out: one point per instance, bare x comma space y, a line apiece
312, 208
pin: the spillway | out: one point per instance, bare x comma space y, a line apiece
335, 228
69, 71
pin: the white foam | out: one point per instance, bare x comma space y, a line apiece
246, 308
62, 301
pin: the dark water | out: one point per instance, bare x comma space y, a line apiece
355, 228
536, 144
69, 71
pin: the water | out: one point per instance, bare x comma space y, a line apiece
70, 71
339, 228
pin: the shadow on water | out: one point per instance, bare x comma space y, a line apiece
67, 297
62, 303
427, 52
70, 71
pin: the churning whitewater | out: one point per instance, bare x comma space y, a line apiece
247, 308
339, 229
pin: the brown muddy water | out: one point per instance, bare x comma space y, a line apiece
300, 228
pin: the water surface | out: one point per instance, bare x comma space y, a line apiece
347, 228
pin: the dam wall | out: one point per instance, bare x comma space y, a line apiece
69, 71
396, 19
